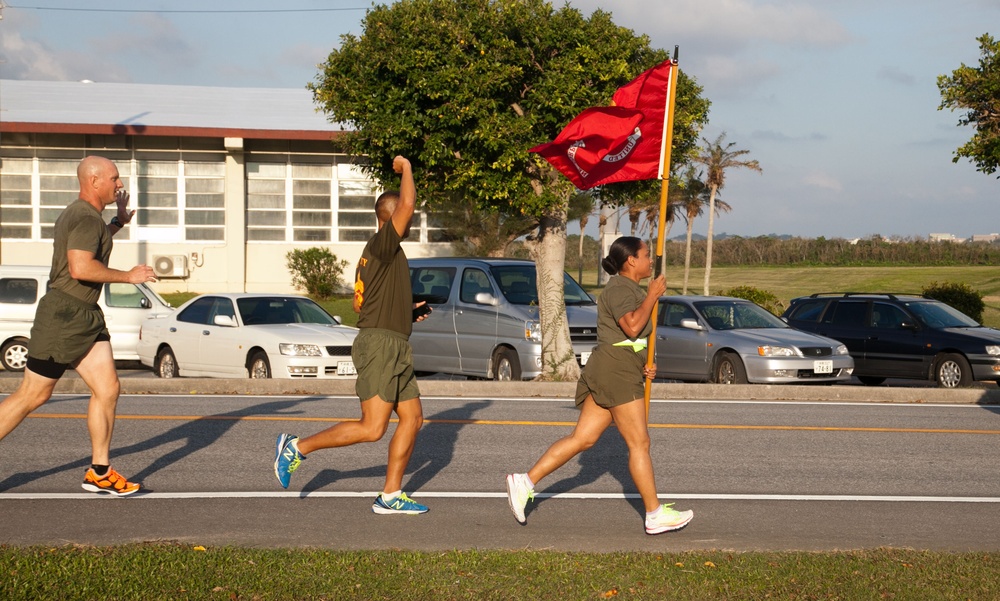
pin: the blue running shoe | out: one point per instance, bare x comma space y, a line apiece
286, 459
400, 505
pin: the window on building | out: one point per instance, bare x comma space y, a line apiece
355, 204
175, 200
204, 200
15, 200
312, 212
57, 186
267, 215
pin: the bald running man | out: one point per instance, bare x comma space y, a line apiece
69, 329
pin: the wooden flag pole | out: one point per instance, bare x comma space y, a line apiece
668, 136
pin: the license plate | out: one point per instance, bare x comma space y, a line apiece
823, 367
584, 356
346, 368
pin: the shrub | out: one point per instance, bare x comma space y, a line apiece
959, 296
761, 297
317, 270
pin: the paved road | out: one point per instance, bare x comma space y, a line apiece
766, 474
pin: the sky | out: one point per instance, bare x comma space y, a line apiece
838, 101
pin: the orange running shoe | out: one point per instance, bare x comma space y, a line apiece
111, 483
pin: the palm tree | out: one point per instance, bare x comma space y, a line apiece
652, 222
717, 158
692, 199
581, 207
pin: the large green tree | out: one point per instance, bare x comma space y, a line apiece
977, 91
464, 87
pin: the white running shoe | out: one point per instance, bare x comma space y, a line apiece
519, 492
668, 519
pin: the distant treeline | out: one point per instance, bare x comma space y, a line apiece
768, 250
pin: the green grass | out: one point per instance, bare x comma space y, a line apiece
170, 571
784, 282
789, 282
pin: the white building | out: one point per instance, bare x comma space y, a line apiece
226, 180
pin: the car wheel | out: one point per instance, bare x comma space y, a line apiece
166, 364
952, 371
14, 354
729, 370
259, 367
871, 380
506, 366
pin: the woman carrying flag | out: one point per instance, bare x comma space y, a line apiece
611, 386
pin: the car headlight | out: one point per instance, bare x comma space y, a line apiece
533, 331
300, 350
775, 351
841, 350
993, 349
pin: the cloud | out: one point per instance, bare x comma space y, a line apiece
24, 56
28, 59
824, 181
729, 24
154, 38
896, 75
724, 43
771, 135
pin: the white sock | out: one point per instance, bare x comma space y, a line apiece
531, 484
655, 512
391, 495
295, 445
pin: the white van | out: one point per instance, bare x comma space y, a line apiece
125, 307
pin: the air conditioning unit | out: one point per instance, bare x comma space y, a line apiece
170, 266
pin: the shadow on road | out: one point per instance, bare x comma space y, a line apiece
608, 456
196, 435
434, 450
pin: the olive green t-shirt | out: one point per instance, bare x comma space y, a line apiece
79, 227
383, 281
620, 297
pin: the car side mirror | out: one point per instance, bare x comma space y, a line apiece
337, 319
908, 325
485, 298
692, 324
225, 321
145, 304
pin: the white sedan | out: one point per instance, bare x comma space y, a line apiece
239, 335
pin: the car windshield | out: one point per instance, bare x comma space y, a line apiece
270, 310
156, 296
936, 314
518, 285
736, 315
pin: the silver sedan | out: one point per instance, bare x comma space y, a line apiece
734, 341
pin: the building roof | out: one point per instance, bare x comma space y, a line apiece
153, 109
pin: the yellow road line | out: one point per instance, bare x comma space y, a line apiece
490, 422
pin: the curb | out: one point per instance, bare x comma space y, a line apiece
529, 389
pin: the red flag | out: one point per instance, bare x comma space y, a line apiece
618, 143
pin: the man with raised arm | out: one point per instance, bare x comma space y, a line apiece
383, 298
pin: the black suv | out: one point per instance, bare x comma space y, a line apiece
902, 336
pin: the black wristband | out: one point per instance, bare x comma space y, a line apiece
117, 222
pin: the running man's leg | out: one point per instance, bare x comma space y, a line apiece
593, 421
97, 370
411, 418
34, 390
375, 415
631, 421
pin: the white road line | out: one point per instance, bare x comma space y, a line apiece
498, 495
